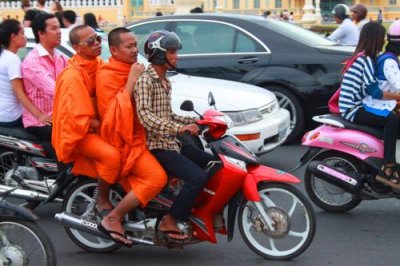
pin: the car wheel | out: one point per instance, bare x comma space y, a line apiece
289, 101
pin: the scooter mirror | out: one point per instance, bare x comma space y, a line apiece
187, 106
211, 100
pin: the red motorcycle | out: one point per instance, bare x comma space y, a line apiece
275, 219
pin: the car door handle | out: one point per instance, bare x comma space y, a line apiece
248, 60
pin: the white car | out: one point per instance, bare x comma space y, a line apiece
257, 118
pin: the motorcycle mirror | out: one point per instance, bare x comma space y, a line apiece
211, 100
187, 106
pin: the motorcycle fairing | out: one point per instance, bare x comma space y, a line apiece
215, 196
261, 173
356, 143
231, 147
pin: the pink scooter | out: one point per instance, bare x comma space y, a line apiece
343, 159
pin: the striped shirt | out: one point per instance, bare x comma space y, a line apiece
39, 73
358, 82
153, 104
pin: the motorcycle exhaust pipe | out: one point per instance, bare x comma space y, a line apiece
23, 193
75, 222
348, 182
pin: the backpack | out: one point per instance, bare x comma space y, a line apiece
333, 103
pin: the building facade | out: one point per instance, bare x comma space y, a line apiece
114, 12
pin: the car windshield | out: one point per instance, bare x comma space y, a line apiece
295, 32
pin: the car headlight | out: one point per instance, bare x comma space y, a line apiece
269, 108
241, 118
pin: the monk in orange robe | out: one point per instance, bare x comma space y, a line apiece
141, 174
76, 125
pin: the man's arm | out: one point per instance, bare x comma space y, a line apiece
134, 74
152, 123
183, 119
337, 34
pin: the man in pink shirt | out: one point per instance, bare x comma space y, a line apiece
39, 72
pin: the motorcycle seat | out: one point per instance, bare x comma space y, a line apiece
337, 121
17, 132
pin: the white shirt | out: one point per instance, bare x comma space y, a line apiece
346, 34
10, 68
392, 74
361, 24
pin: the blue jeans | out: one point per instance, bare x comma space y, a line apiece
188, 165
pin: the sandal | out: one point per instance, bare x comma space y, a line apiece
389, 175
109, 234
182, 234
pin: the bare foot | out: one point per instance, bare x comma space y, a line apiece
168, 227
113, 224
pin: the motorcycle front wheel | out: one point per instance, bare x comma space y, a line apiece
25, 243
326, 195
292, 220
81, 200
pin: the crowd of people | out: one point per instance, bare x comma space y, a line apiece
80, 108
66, 18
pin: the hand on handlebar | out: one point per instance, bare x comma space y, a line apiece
192, 129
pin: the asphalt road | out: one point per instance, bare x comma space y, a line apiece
369, 236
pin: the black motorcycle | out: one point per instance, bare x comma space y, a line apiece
22, 241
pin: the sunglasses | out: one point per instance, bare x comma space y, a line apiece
92, 41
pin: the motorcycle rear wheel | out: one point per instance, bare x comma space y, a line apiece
25, 243
328, 196
80, 201
292, 216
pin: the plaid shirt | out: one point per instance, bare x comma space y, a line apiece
153, 104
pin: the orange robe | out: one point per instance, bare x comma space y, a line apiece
72, 111
120, 127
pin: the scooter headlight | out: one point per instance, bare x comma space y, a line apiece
236, 162
225, 119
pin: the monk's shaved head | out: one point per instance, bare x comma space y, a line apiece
114, 37
74, 37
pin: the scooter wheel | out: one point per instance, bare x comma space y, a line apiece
328, 196
292, 219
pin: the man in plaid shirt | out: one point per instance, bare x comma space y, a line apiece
153, 103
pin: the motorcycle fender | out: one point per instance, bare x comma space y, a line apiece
357, 143
263, 173
307, 156
9, 210
233, 206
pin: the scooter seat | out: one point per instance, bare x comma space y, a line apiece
338, 121
17, 132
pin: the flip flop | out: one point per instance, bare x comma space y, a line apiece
109, 233
102, 213
171, 233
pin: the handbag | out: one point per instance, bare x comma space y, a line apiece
333, 102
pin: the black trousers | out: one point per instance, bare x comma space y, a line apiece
390, 126
44, 134
188, 165
15, 123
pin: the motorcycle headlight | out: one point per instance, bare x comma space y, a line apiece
236, 162
241, 118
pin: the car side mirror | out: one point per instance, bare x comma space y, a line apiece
187, 106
